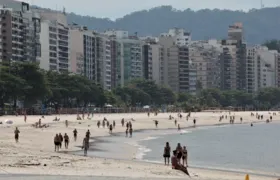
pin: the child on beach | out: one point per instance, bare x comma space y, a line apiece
130, 132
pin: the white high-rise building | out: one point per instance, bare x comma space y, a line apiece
261, 68
55, 42
180, 36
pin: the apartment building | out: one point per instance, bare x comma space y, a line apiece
205, 57
261, 68
180, 36
127, 63
55, 42
76, 36
20, 30
153, 61
233, 60
103, 55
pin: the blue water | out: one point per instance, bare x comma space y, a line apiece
230, 147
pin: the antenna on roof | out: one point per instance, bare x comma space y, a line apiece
262, 5
64, 11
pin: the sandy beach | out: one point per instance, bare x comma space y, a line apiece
34, 154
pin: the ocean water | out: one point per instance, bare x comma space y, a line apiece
231, 147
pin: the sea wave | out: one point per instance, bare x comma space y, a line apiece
141, 150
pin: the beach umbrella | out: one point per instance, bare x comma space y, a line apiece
8, 121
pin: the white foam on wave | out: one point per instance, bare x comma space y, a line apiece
141, 150
149, 138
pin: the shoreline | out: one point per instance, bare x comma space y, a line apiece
13, 153
172, 131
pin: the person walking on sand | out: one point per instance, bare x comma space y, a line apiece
108, 124
122, 122
75, 132
130, 132
60, 140
66, 140
103, 123
185, 156
16, 134
179, 128
66, 123
110, 128
98, 124
126, 132
88, 133
194, 122
176, 165
56, 143
25, 118
85, 145
156, 123
175, 122
114, 124
166, 153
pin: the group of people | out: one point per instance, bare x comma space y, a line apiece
179, 160
58, 141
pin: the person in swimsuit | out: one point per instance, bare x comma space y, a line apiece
98, 124
176, 165
179, 128
179, 152
56, 143
185, 156
66, 140
166, 153
75, 132
16, 134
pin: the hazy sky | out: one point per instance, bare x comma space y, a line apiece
117, 8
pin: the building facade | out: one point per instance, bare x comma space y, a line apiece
55, 42
20, 30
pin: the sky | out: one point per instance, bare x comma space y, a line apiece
114, 9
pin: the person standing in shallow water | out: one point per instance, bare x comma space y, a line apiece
85, 145
17, 134
130, 131
166, 153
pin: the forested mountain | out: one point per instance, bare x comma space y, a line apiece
260, 24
